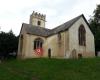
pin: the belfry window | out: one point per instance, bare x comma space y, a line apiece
39, 23
82, 35
38, 43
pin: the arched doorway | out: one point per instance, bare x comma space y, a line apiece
49, 53
74, 53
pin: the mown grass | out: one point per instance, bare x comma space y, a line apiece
50, 69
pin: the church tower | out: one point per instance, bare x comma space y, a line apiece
37, 19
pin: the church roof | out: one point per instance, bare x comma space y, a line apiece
35, 30
66, 25
40, 31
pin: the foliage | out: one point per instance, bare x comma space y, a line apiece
50, 69
8, 43
95, 27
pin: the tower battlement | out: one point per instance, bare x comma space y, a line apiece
37, 19
38, 15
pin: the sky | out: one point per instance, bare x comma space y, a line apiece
15, 12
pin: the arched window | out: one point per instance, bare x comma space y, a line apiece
38, 43
82, 35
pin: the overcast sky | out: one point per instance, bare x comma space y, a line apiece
14, 12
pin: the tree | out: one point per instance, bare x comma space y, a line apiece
8, 43
95, 27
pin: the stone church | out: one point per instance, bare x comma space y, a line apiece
72, 39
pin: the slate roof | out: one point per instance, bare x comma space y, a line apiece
40, 31
35, 30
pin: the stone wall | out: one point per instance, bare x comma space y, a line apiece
89, 49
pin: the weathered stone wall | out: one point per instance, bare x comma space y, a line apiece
58, 48
35, 20
89, 49
29, 48
21, 43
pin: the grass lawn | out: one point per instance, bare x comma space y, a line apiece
50, 69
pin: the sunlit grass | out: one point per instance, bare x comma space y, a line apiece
50, 69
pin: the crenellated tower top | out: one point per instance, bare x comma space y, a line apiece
37, 19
